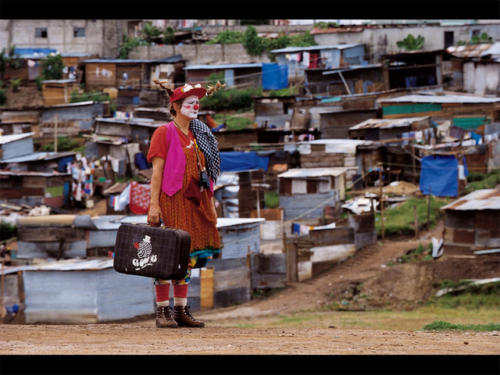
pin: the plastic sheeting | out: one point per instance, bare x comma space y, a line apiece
242, 161
439, 175
274, 76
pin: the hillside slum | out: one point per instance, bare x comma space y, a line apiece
301, 187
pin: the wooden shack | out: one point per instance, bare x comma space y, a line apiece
413, 69
471, 223
305, 192
58, 91
336, 123
384, 129
238, 75
273, 112
18, 122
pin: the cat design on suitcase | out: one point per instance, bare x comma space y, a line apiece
144, 250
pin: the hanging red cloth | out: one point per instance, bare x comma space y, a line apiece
140, 195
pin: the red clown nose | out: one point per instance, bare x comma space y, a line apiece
196, 107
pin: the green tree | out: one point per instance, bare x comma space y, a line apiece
52, 67
169, 35
480, 39
410, 43
254, 22
128, 44
228, 37
151, 33
252, 42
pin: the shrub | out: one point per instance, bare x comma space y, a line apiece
15, 83
410, 43
227, 37
95, 96
63, 144
231, 99
128, 44
252, 43
52, 67
38, 81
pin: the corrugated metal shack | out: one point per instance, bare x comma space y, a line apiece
385, 129
299, 59
97, 299
238, 75
440, 107
413, 69
336, 124
72, 118
30, 187
12, 146
355, 79
273, 111
18, 122
325, 153
475, 68
471, 223
305, 192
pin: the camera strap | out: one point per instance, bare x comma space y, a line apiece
197, 156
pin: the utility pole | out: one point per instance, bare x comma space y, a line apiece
380, 165
55, 133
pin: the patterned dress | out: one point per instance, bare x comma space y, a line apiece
179, 212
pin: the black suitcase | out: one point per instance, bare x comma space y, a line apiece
158, 252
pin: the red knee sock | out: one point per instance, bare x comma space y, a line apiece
181, 291
162, 294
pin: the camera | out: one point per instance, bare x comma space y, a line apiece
204, 180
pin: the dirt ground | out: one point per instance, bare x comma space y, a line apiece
223, 335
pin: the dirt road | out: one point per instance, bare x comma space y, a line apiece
143, 338
225, 334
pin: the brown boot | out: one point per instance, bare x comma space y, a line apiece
183, 317
165, 317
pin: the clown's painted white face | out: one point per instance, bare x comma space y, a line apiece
190, 107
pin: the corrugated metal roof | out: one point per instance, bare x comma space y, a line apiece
77, 104
73, 265
473, 50
139, 121
31, 173
339, 145
387, 123
38, 156
76, 54
440, 99
484, 199
351, 68
118, 61
14, 137
313, 172
60, 81
222, 66
315, 48
494, 50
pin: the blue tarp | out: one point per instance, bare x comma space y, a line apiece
439, 175
274, 76
242, 161
31, 52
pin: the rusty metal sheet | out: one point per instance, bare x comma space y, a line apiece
484, 199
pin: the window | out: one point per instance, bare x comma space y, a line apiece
78, 32
475, 32
448, 39
41, 32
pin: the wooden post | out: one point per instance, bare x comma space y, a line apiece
429, 209
413, 162
381, 200
416, 220
2, 306
55, 133
258, 203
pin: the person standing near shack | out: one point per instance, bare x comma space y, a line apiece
186, 163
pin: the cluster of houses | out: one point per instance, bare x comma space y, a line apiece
425, 117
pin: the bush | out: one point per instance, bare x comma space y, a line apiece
38, 81
63, 144
52, 67
15, 83
482, 181
96, 96
228, 37
231, 99
252, 43
128, 44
